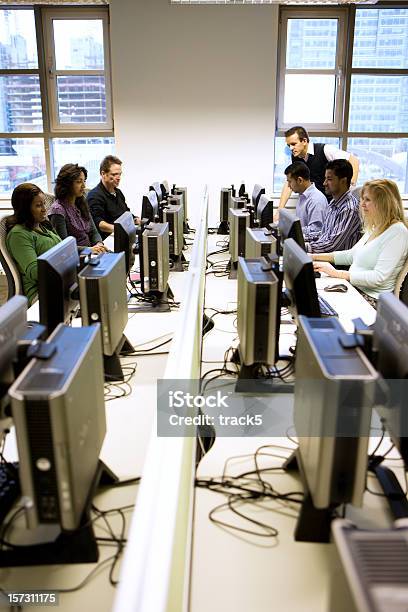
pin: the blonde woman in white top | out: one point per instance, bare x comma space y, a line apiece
378, 257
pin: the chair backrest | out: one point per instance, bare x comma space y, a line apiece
401, 285
356, 191
15, 286
49, 199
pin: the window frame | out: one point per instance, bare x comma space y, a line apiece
52, 74
339, 13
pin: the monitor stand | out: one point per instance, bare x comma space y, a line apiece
156, 302
178, 262
313, 524
111, 363
79, 546
233, 267
249, 380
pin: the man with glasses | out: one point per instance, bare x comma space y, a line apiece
316, 157
106, 201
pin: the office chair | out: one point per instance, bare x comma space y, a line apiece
356, 191
401, 285
14, 284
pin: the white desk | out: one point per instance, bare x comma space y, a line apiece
241, 572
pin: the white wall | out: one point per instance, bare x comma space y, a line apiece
194, 95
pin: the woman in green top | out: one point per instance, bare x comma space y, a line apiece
29, 234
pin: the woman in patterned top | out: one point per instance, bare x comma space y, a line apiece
69, 214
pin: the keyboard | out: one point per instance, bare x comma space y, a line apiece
325, 309
9, 488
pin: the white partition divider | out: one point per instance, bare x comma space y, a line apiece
155, 571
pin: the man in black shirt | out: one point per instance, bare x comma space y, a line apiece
106, 201
316, 156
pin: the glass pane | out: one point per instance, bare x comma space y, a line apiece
81, 99
20, 104
87, 152
382, 158
283, 158
18, 43
311, 43
380, 38
317, 106
78, 44
379, 104
21, 160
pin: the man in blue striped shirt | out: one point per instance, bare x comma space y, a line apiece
342, 224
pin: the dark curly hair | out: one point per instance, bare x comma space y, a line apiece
64, 183
21, 200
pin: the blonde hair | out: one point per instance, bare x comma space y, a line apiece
388, 203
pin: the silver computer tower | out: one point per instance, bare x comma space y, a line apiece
103, 298
156, 257
173, 215
239, 220
182, 193
369, 572
59, 414
259, 242
257, 312
334, 396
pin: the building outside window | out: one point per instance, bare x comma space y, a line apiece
355, 61
55, 94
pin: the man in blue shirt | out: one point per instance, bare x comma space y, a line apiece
342, 224
311, 207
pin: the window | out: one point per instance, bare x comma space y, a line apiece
369, 61
311, 61
55, 94
77, 70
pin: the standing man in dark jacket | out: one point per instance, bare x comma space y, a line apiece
316, 156
106, 201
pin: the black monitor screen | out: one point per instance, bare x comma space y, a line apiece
13, 322
290, 227
264, 212
150, 205
256, 194
125, 237
57, 283
299, 280
391, 344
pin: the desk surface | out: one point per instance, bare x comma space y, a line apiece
244, 572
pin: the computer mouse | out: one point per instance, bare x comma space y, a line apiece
338, 288
317, 274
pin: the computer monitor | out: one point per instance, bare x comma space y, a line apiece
58, 284
264, 211
334, 395
390, 343
124, 232
13, 322
300, 285
150, 205
256, 194
290, 227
